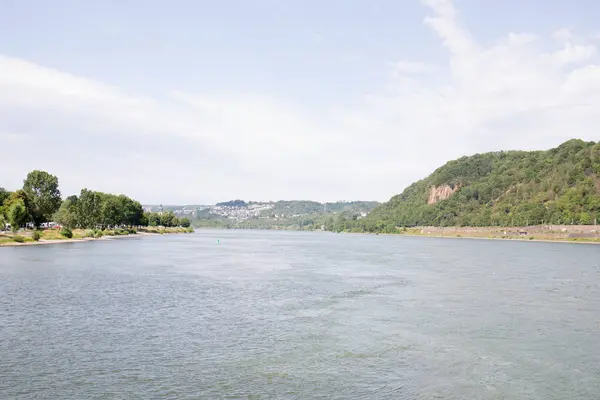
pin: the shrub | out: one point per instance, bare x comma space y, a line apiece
18, 239
66, 232
37, 235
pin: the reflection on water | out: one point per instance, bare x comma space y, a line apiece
265, 315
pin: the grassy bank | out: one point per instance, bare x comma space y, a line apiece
56, 236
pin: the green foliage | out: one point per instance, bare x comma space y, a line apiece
233, 203
153, 219
36, 235
17, 214
67, 215
39, 201
66, 232
89, 209
185, 222
514, 188
97, 209
18, 239
168, 219
4, 195
42, 190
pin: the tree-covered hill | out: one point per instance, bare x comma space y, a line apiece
506, 188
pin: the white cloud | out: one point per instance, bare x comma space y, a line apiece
196, 147
412, 67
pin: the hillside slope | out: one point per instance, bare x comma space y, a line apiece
508, 188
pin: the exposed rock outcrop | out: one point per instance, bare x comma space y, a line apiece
440, 193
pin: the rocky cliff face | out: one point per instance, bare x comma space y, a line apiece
440, 193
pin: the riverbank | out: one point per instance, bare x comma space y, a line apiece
53, 236
588, 234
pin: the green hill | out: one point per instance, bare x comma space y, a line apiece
507, 188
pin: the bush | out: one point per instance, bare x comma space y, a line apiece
89, 234
66, 232
18, 239
37, 235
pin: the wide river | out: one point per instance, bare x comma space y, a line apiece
285, 315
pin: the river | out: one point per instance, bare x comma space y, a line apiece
293, 315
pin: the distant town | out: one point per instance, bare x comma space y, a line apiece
237, 211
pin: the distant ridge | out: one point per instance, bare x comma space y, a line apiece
506, 188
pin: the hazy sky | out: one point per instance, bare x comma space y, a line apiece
189, 101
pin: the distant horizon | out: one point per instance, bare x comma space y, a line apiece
442, 163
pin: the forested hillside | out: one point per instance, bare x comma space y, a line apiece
507, 188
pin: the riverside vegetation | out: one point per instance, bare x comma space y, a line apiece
560, 186
92, 214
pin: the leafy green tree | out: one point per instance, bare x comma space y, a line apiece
67, 214
4, 195
44, 196
167, 219
112, 211
585, 218
89, 210
133, 212
185, 222
153, 219
17, 214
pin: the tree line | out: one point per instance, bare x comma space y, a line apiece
40, 201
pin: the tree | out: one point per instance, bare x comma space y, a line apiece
4, 195
89, 210
167, 219
17, 214
133, 211
17, 196
67, 213
112, 211
185, 222
153, 219
44, 196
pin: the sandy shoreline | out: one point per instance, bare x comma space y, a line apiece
87, 239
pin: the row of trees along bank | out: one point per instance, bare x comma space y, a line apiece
39, 201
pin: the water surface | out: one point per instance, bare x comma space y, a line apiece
284, 315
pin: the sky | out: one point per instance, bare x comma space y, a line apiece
194, 102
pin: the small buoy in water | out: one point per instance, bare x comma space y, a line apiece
218, 241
